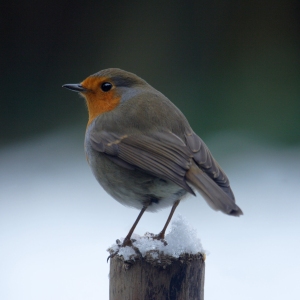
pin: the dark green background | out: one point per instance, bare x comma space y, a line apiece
228, 65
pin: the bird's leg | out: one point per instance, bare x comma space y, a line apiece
127, 240
161, 235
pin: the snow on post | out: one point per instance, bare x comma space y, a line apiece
154, 269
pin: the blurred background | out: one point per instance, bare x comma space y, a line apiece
232, 67
227, 64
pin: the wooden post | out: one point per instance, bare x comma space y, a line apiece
162, 278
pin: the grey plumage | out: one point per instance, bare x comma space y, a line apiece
149, 137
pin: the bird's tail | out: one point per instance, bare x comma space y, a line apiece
214, 195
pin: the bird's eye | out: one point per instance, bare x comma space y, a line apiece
106, 86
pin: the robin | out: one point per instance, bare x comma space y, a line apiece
143, 151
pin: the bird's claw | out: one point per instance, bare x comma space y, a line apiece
112, 255
160, 237
126, 242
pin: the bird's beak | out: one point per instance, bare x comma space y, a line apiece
77, 87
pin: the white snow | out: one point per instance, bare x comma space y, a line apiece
181, 239
56, 222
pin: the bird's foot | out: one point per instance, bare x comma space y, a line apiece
127, 242
160, 237
112, 255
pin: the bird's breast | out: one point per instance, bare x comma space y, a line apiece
133, 188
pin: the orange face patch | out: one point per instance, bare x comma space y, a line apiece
98, 101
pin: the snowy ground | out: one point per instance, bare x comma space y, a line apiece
56, 224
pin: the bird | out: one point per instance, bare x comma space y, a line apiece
142, 150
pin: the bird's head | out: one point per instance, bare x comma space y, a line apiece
105, 90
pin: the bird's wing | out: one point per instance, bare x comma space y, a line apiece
204, 159
209, 179
162, 154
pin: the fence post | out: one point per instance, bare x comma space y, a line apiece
162, 278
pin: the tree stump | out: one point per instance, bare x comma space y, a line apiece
157, 277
